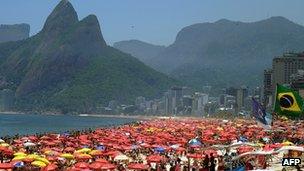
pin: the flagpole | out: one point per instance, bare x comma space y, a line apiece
275, 100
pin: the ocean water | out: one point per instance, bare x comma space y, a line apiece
11, 124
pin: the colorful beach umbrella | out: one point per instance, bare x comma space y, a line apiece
50, 167
67, 155
38, 164
82, 165
138, 166
6, 165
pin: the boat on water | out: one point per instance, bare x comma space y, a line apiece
83, 115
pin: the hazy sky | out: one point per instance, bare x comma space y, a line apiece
154, 21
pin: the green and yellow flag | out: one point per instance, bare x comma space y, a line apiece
288, 102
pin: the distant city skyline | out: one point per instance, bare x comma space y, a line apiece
156, 21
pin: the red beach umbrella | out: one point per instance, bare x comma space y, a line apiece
82, 165
69, 149
83, 157
95, 166
101, 160
155, 158
112, 153
138, 166
6, 166
108, 167
50, 167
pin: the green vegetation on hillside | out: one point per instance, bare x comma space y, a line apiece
67, 67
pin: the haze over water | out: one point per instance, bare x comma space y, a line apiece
11, 124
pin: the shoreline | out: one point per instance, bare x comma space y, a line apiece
139, 117
121, 116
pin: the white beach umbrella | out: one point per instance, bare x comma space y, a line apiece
121, 157
29, 144
184, 159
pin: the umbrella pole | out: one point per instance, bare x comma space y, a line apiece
188, 164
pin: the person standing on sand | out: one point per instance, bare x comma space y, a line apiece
206, 162
212, 162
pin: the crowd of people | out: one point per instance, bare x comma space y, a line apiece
160, 144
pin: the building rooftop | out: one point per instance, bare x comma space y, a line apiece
293, 54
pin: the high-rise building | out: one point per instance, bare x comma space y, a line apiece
285, 66
222, 99
297, 82
187, 104
267, 99
174, 99
186, 91
229, 101
168, 103
176, 94
199, 102
231, 91
257, 93
241, 95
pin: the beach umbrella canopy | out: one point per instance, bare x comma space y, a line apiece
175, 146
95, 165
18, 158
67, 156
18, 164
38, 164
96, 153
69, 149
194, 143
155, 158
44, 160
28, 160
159, 149
108, 167
29, 144
286, 143
6, 165
7, 152
82, 165
50, 167
83, 157
84, 150
2, 148
138, 166
4, 145
52, 158
32, 156
112, 153
100, 147
121, 157
101, 160
20, 154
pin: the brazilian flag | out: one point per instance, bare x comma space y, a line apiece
288, 102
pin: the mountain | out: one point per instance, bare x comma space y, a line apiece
14, 32
226, 52
68, 67
139, 49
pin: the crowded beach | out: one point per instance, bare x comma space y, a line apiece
159, 144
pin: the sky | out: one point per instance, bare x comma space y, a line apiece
153, 21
